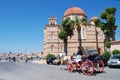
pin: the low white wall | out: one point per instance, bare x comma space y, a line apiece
115, 46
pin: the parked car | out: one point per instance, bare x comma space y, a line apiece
114, 61
57, 61
50, 60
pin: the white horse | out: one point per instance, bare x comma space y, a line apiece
69, 59
64, 59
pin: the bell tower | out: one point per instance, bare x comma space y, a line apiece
52, 21
52, 44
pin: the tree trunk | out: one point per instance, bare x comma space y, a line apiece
113, 34
79, 36
65, 47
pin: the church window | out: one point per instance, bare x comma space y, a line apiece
52, 23
83, 33
52, 36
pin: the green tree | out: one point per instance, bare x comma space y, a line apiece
107, 24
106, 55
96, 25
115, 52
110, 27
49, 56
63, 36
96, 21
77, 25
66, 31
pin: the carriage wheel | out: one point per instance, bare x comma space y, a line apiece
99, 66
87, 67
70, 67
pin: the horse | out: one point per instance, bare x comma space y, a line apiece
65, 60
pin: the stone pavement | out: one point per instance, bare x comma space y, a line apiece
33, 71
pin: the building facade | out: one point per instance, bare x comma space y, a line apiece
115, 45
53, 45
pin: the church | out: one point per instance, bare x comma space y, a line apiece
53, 45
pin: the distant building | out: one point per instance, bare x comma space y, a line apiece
115, 45
52, 44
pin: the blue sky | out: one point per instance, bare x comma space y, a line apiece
22, 21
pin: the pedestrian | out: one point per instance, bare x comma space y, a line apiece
26, 60
14, 59
79, 51
9, 58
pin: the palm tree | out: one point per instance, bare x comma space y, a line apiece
97, 23
66, 31
63, 36
77, 24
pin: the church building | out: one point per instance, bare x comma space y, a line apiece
53, 45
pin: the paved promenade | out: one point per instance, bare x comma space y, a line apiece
30, 71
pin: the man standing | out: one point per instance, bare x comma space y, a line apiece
79, 51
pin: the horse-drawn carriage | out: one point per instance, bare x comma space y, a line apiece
87, 63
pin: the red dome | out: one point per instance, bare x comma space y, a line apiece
75, 10
93, 18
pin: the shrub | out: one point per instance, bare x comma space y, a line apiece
106, 55
30, 58
49, 56
115, 52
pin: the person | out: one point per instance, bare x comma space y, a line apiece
9, 58
79, 51
14, 58
78, 57
74, 54
26, 60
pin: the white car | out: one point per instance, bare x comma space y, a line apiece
114, 61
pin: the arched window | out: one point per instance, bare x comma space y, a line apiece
83, 33
52, 36
52, 23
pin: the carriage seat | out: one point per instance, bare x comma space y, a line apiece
76, 58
